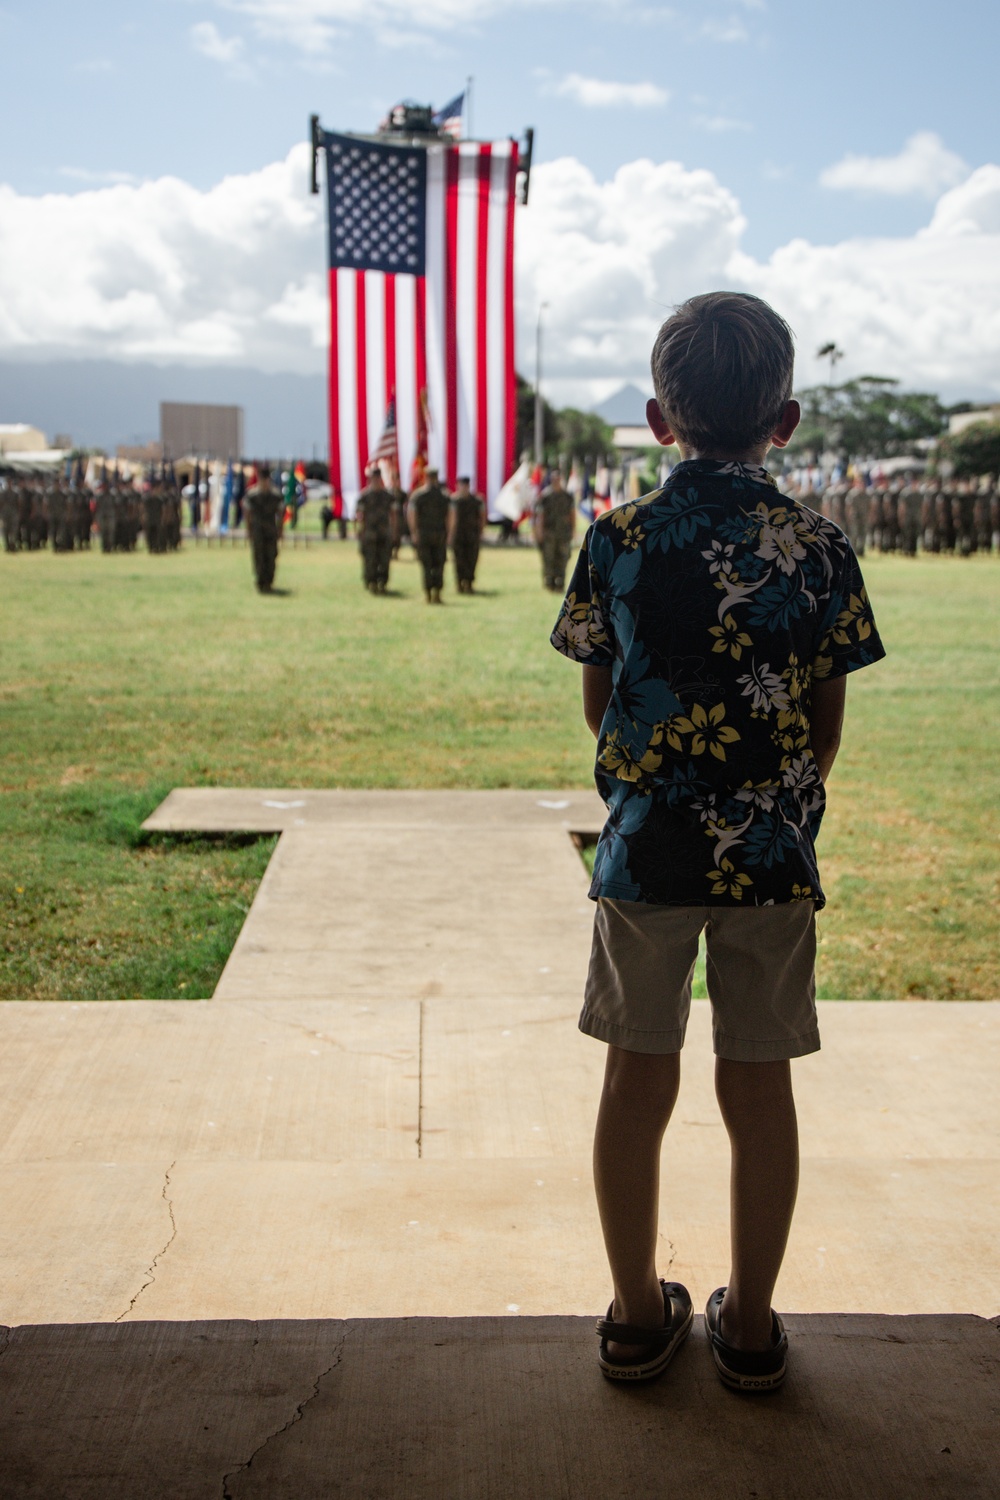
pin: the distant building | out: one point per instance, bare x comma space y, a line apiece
628, 438
20, 437
963, 419
200, 431
140, 453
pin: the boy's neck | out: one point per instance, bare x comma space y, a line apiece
752, 457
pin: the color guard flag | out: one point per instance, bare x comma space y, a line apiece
422, 307
448, 119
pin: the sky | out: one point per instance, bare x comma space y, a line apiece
840, 160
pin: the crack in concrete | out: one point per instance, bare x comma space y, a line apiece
399, 1055
151, 1268
420, 1086
294, 1419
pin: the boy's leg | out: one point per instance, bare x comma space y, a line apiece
759, 1113
640, 1090
761, 978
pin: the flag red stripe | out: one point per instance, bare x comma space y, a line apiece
482, 276
334, 392
361, 367
390, 338
421, 345
450, 314
509, 318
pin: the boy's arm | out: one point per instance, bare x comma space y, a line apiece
826, 721
597, 689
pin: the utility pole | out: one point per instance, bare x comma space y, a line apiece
539, 411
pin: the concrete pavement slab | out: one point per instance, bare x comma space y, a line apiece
384, 1238
485, 1409
257, 809
407, 913
135, 1081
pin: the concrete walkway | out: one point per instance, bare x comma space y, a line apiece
385, 1113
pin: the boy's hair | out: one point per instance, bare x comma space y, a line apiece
722, 371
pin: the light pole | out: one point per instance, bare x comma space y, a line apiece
539, 426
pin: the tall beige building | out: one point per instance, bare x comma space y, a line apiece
196, 430
20, 437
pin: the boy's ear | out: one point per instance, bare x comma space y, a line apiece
790, 417
658, 424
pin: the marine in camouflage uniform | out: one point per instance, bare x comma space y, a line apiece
400, 501
8, 515
555, 523
171, 521
152, 521
428, 516
858, 508
466, 520
105, 514
908, 509
984, 536
263, 507
376, 527
56, 502
963, 507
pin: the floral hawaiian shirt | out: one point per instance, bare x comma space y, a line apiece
716, 601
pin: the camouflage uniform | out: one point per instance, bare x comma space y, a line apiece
468, 513
8, 513
858, 507
963, 508
556, 511
400, 519
152, 522
429, 520
263, 506
105, 513
374, 520
908, 509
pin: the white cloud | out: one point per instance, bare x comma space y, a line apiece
601, 93
720, 124
207, 39
924, 166
731, 30
160, 270
312, 25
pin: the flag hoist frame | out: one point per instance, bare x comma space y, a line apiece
421, 286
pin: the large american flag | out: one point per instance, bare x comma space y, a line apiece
422, 307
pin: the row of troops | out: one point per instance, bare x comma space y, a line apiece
433, 519
36, 513
960, 516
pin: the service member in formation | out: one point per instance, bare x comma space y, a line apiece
152, 523
909, 506
555, 524
399, 504
263, 506
466, 519
428, 516
375, 522
8, 512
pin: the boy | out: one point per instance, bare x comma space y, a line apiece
716, 622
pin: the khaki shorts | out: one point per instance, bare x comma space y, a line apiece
760, 972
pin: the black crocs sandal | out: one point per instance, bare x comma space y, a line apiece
752, 1371
659, 1344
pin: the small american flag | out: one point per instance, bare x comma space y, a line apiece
422, 306
448, 119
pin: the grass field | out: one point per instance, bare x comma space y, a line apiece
123, 676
